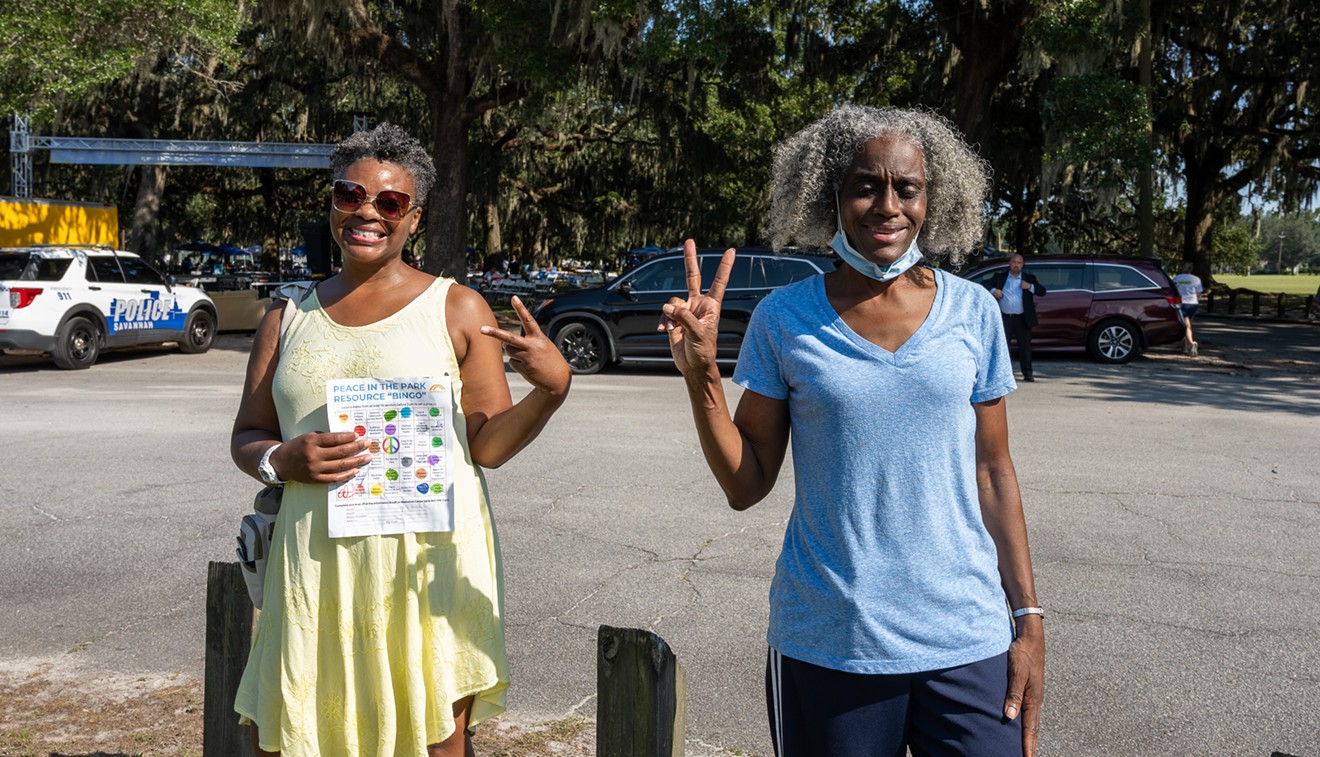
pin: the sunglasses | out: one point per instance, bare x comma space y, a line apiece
347, 197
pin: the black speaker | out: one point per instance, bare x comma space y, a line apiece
322, 252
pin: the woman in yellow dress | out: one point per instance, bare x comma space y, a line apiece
386, 644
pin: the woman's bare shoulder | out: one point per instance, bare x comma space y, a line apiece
466, 309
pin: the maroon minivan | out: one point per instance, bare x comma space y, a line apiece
1113, 307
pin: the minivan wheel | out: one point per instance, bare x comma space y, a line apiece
1114, 342
583, 346
77, 345
198, 332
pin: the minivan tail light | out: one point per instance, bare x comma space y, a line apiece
1174, 300
21, 297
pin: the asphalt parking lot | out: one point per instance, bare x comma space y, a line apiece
1173, 506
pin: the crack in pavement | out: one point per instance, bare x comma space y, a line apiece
654, 558
601, 585
36, 507
1171, 565
1174, 496
696, 558
554, 501
113, 632
574, 709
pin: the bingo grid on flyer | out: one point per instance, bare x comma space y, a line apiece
404, 487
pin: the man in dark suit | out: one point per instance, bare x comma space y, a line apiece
1017, 292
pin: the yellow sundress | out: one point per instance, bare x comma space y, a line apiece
365, 643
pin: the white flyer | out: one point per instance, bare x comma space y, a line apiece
406, 488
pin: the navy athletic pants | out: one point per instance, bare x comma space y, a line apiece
819, 712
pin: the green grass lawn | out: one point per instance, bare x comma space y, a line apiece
1302, 285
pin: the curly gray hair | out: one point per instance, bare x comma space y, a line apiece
809, 168
389, 144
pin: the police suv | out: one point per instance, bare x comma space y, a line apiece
73, 301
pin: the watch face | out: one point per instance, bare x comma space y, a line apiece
266, 470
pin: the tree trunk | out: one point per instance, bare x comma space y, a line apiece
988, 38
1198, 230
446, 215
540, 251
270, 245
1202, 166
491, 209
145, 236
1025, 213
446, 212
1146, 177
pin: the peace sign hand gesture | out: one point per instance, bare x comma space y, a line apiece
533, 355
693, 325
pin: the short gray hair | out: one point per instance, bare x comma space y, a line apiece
809, 168
388, 144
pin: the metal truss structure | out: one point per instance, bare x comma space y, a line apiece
160, 152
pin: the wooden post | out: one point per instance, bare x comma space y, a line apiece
1255, 304
1232, 302
228, 641
640, 692
1210, 301
1280, 306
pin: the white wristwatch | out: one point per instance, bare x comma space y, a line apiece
267, 471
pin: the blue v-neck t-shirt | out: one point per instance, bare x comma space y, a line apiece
887, 566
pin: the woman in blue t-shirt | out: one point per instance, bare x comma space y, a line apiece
903, 610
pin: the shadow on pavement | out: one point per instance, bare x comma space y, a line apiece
1228, 388
225, 342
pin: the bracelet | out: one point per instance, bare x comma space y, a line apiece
1029, 611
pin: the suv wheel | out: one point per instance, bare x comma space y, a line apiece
1114, 342
583, 346
78, 344
198, 332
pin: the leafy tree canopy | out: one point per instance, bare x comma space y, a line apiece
57, 50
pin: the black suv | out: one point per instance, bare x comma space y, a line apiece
594, 328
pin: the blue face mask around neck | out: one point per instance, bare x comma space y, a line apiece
852, 257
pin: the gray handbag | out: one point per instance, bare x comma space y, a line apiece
254, 537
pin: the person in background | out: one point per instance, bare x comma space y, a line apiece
1189, 290
389, 644
1017, 291
903, 610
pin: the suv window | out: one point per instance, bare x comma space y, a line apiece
1056, 277
739, 278
660, 276
104, 269
23, 266
1110, 278
138, 272
777, 272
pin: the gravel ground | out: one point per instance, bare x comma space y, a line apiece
50, 712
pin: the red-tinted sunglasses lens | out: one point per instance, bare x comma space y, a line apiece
392, 205
347, 197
